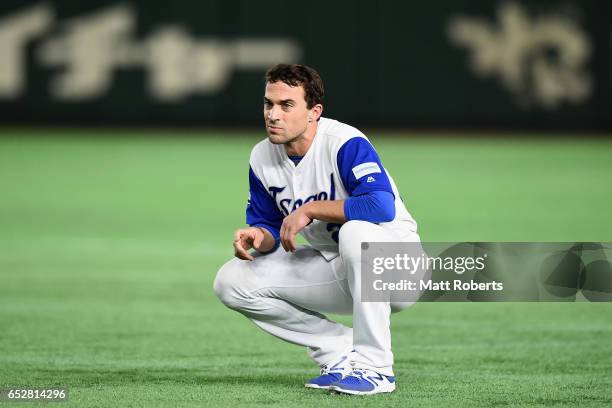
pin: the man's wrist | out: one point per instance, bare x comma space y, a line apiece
308, 210
263, 240
266, 247
262, 229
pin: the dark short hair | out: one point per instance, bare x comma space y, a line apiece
299, 75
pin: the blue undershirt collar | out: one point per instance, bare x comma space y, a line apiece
296, 159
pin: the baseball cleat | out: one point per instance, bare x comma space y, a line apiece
330, 373
364, 382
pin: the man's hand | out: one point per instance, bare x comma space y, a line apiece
245, 239
292, 224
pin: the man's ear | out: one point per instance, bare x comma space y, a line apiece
315, 112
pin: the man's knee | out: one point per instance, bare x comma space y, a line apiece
351, 235
351, 230
229, 285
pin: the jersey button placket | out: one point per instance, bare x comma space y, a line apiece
297, 185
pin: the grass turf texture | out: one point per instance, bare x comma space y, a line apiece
108, 249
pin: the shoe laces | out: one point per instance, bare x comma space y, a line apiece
361, 374
336, 367
357, 372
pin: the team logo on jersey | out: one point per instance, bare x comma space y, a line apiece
288, 205
370, 179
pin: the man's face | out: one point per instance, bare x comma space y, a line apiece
285, 112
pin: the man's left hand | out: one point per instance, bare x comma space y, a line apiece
292, 224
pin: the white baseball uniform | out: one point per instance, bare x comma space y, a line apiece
285, 293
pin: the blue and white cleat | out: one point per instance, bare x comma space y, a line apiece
330, 373
364, 382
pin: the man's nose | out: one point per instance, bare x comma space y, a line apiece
274, 113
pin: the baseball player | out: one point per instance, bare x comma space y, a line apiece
323, 179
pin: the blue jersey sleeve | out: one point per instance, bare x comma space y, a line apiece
375, 206
360, 168
261, 209
371, 196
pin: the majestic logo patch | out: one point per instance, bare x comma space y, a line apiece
365, 168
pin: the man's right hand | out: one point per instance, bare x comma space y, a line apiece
245, 239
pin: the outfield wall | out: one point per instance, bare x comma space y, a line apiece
527, 64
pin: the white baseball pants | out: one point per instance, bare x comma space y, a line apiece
286, 295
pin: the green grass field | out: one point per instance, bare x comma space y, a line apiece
109, 246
